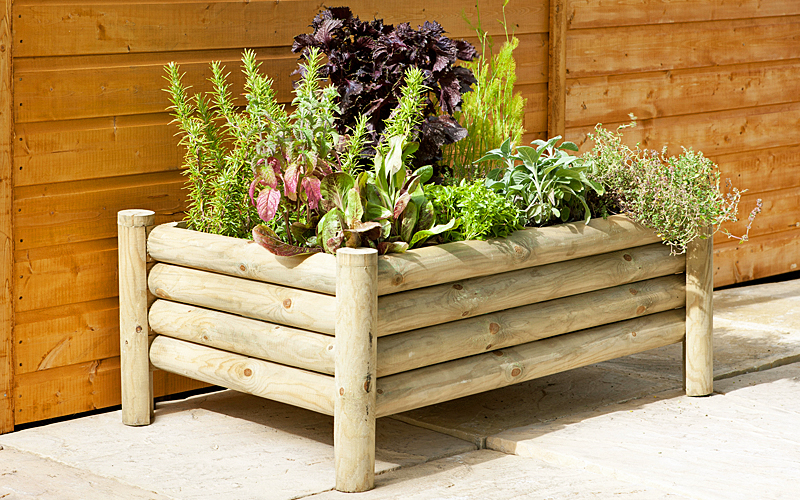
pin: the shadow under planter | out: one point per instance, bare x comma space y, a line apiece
359, 336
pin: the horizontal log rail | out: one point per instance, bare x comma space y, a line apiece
464, 377
459, 339
285, 384
249, 337
476, 296
414, 269
254, 299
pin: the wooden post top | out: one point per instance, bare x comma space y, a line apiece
357, 257
136, 218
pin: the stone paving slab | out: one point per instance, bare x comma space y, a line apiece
489, 475
742, 444
224, 445
24, 476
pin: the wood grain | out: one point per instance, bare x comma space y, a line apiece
236, 257
636, 49
65, 274
459, 339
276, 304
610, 98
249, 337
762, 170
698, 346
152, 27
476, 296
758, 258
66, 335
557, 69
606, 13
72, 212
82, 387
312, 391
356, 368
6, 226
134, 329
463, 377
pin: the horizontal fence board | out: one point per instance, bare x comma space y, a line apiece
82, 387
249, 337
459, 339
455, 379
717, 133
608, 99
47, 93
305, 389
758, 258
253, 299
635, 49
66, 335
152, 27
473, 297
95, 149
65, 274
46, 215
780, 212
762, 170
609, 13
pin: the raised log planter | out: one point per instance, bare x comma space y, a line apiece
359, 336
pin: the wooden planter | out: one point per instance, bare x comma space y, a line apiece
359, 336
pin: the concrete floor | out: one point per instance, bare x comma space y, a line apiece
621, 429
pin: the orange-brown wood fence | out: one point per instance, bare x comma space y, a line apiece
85, 134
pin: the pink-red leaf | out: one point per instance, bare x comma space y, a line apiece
265, 237
267, 203
311, 185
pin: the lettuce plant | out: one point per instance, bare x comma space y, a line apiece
546, 182
366, 60
480, 213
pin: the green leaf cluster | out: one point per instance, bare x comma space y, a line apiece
480, 213
678, 196
545, 182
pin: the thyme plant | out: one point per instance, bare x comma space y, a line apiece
678, 196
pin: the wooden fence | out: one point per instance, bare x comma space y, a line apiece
85, 134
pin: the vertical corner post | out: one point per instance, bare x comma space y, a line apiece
355, 366
134, 330
698, 354
557, 70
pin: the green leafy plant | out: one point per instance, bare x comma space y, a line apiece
678, 196
480, 213
491, 112
545, 182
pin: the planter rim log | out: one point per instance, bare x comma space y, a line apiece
360, 336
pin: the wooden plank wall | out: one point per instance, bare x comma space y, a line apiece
92, 138
718, 76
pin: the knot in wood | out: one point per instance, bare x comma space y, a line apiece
465, 314
498, 353
330, 347
341, 391
287, 303
397, 279
640, 309
138, 329
633, 291
248, 372
242, 268
494, 328
518, 250
488, 347
366, 385
633, 334
627, 257
458, 286
515, 372
380, 391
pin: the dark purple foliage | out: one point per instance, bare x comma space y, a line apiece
367, 62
